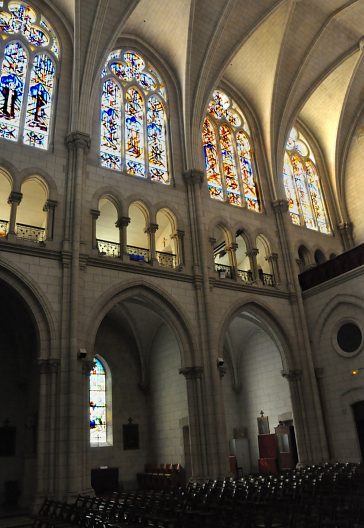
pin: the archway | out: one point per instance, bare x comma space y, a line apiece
253, 383
19, 388
143, 351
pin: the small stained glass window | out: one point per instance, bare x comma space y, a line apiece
302, 185
133, 117
18, 88
228, 154
98, 404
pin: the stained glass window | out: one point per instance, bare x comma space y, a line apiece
228, 154
302, 185
138, 106
98, 404
36, 93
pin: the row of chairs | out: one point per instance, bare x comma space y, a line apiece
162, 477
327, 496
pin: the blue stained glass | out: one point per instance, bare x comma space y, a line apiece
13, 72
134, 133
146, 81
111, 101
134, 61
97, 403
157, 140
38, 112
125, 73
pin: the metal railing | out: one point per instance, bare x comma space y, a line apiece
107, 248
3, 228
267, 279
167, 260
246, 276
137, 253
29, 232
224, 271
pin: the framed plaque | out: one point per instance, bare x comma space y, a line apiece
131, 436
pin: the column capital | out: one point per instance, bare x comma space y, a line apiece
232, 247
48, 365
273, 257
50, 205
123, 221
15, 197
252, 253
191, 373
280, 205
179, 233
78, 140
193, 177
152, 228
95, 213
292, 374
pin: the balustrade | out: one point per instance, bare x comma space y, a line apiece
3, 228
224, 271
267, 279
246, 276
29, 232
107, 248
167, 260
137, 253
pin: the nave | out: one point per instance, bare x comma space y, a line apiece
326, 496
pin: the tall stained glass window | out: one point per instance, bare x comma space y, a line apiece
229, 159
29, 52
98, 417
302, 185
133, 135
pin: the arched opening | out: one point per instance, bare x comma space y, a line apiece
149, 396
264, 268
242, 259
5, 190
138, 237
304, 258
164, 239
107, 233
31, 218
319, 257
253, 383
19, 388
222, 260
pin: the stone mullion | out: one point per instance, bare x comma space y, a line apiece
49, 208
252, 254
273, 262
178, 238
232, 259
151, 230
95, 213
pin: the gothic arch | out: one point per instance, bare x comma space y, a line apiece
166, 307
263, 318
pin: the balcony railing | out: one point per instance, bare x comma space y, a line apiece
267, 279
167, 260
3, 228
246, 276
224, 271
107, 248
137, 253
29, 232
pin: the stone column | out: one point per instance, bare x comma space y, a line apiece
14, 200
231, 250
346, 233
46, 433
49, 208
122, 224
95, 213
319, 374
212, 258
252, 254
294, 378
87, 365
193, 377
273, 262
151, 230
178, 237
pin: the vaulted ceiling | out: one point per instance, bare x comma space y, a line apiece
285, 59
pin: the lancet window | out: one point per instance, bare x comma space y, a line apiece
133, 136
99, 412
302, 185
29, 53
228, 154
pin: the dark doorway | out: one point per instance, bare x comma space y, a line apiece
358, 409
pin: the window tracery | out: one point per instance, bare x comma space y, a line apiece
228, 154
29, 53
302, 185
133, 118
